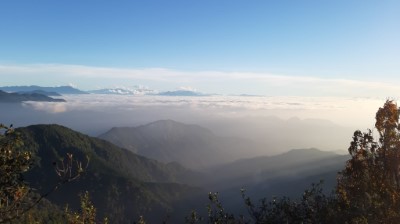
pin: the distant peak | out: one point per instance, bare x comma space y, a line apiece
167, 121
181, 93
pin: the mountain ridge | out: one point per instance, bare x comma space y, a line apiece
190, 145
59, 89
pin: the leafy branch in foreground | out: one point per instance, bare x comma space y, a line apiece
87, 214
313, 207
14, 161
16, 197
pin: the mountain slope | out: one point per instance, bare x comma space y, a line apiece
190, 145
120, 182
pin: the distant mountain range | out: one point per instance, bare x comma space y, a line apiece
59, 89
40, 92
191, 145
6, 97
56, 91
181, 93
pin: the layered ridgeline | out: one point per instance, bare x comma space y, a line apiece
225, 162
265, 170
287, 174
275, 175
123, 185
40, 92
190, 145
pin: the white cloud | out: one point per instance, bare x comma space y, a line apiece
73, 85
49, 107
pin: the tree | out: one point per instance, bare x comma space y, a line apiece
87, 215
313, 207
368, 187
17, 198
14, 161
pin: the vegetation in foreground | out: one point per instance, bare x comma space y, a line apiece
368, 188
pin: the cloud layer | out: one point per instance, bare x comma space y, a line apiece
352, 112
90, 77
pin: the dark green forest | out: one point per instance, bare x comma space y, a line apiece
52, 174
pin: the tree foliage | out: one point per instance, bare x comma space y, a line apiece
14, 161
313, 207
87, 213
369, 187
17, 199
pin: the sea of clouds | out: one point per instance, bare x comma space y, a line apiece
351, 112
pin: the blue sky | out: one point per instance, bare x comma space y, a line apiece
222, 46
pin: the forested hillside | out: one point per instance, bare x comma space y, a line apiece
123, 185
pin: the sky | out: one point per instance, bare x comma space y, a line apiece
269, 47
